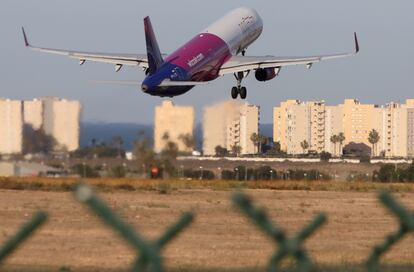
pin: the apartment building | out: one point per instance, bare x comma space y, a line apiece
357, 121
61, 119
11, 126
410, 131
33, 113
333, 126
58, 117
296, 121
229, 124
174, 121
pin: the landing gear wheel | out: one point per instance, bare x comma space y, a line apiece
243, 92
234, 92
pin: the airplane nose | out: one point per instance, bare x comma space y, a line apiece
144, 88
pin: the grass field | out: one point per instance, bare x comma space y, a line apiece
66, 184
220, 239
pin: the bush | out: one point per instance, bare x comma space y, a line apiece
227, 175
325, 156
365, 159
386, 173
118, 171
84, 171
203, 174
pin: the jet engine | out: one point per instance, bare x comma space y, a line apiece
266, 73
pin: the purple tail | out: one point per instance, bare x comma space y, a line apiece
153, 51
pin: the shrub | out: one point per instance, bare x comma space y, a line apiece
84, 171
118, 171
387, 173
325, 156
365, 159
227, 175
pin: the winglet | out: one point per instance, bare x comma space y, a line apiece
356, 43
26, 42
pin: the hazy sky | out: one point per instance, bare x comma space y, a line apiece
382, 72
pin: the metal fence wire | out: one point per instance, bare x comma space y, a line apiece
149, 253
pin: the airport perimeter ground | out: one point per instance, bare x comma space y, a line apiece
220, 238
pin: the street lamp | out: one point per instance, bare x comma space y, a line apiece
271, 174
201, 172
237, 173
219, 173
84, 169
182, 171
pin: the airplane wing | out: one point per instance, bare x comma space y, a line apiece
247, 63
117, 59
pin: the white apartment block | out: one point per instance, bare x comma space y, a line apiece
58, 117
410, 132
296, 122
61, 119
33, 113
174, 121
229, 124
11, 126
333, 126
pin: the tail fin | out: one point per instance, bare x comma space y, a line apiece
153, 51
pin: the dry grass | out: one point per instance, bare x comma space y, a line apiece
164, 186
220, 239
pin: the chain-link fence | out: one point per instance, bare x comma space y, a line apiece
149, 253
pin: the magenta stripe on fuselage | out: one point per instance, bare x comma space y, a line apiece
201, 57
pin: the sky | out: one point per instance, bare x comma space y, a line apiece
381, 73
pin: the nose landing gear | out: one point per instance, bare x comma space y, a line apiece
235, 91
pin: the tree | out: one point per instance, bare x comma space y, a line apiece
341, 139
373, 139
325, 156
262, 140
255, 139
187, 140
37, 141
236, 149
166, 136
143, 153
168, 157
258, 140
305, 145
220, 151
334, 139
118, 142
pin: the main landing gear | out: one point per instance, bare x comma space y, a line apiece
235, 91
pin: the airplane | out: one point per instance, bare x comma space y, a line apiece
218, 50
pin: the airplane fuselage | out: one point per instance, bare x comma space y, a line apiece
200, 59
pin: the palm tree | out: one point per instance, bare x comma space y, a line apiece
373, 139
117, 142
334, 140
304, 145
187, 140
236, 149
341, 139
262, 140
255, 139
